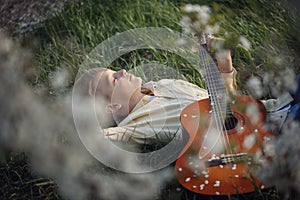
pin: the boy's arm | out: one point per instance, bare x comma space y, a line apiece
224, 60
227, 70
230, 81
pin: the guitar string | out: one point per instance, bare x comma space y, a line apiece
202, 53
223, 120
219, 108
213, 94
228, 111
212, 89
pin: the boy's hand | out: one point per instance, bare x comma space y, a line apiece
223, 56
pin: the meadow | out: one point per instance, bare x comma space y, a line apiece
44, 58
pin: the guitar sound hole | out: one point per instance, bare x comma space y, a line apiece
230, 122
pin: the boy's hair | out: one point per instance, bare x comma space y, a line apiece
87, 83
85, 89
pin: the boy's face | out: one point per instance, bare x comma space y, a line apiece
119, 87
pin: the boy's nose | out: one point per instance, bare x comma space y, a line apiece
121, 73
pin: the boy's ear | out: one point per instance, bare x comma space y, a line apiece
113, 108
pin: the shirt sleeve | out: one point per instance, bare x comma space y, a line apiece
118, 134
143, 134
128, 135
230, 81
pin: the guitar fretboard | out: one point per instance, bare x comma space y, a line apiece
215, 85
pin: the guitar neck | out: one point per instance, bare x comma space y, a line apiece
214, 82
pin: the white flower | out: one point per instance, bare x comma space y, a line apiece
245, 42
255, 86
199, 23
185, 20
205, 9
212, 29
189, 8
203, 17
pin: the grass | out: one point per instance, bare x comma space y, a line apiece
62, 41
75, 32
18, 181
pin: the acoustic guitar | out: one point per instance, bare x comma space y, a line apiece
226, 139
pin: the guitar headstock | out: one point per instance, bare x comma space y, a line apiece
204, 38
206, 41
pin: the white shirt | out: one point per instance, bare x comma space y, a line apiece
157, 118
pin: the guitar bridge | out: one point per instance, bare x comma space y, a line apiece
229, 159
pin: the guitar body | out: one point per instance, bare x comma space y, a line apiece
212, 168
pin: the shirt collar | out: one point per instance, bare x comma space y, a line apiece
144, 100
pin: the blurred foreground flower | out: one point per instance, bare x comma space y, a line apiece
283, 171
44, 129
197, 20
